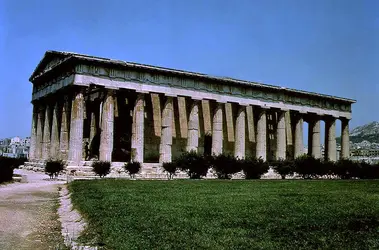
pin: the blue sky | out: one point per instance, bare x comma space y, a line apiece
326, 46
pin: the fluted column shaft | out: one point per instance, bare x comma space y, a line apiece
33, 137
75, 153
261, 150
217, 130
240, 134
345, 140
281, 136
40, 125
65, 129
47, 133
54, 149
298, 145
165, 153
330, 139
93, 126
314, 145
193, 128
138, 128
107, 127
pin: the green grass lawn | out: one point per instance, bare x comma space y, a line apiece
218, 214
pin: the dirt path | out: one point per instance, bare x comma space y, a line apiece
28, 218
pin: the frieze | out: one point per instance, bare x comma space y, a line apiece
51, 86
212, 86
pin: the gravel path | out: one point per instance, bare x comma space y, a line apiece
28, 218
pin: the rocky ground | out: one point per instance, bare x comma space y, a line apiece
28, 213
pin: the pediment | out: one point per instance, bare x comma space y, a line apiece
49, 61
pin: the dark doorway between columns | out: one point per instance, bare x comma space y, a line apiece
208, 144
123, 126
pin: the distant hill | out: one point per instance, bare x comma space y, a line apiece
368, 132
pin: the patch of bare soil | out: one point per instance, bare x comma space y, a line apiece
28, 214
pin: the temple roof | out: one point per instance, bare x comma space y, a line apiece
47, 63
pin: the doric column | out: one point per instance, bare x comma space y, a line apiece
281, 136
107, 126
261, 151
65, 129
75, 152
314, 145
33, 137
166, 131
239, 145
94, 124
54, 149
330, 139
298, 144
193, 127
138, 128
217, 132
47, 133
40, 124
345, 139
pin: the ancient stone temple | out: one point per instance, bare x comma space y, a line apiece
87, 107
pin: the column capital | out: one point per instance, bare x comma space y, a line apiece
344, 119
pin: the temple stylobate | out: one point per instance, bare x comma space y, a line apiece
87, 108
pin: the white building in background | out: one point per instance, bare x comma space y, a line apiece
16, 140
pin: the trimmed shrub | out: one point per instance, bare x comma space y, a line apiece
101, 168
170, 168
253, 168
327, 168
347, 169
54, 167
283, 167
132, 168
225, 166
307, 166
6, 168
194, 164
368, 171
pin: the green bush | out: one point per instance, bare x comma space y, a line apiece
225, 166
194, 164
54, 167
347, 169
101, 168
368, 171
307, 166
253, 168
132, 168
283, 167
6, 168
170, 168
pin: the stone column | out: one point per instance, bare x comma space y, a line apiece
330, 139
54, 149
217, 132
65, 129
261, 137
47, 133
40, 125
345, 139
33, 137
314, 145
138, 129
107, 126
75, 153
193, 127
93, 125
281, 136
240, 133
298, 144
166, 131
